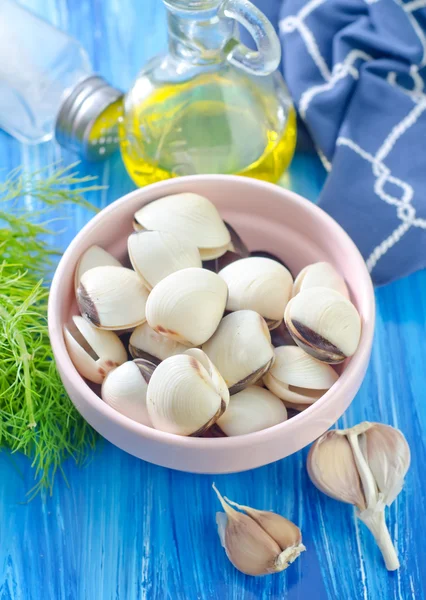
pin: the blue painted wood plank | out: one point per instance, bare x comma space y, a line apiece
128, 530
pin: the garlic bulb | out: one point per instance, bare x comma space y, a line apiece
257, 542
112, 297
94, 352
125, 389
147, 343
241, 349
320, 274
156, 254
252, 409
95, 256
189, 217
364, 466
324, 323
186, 394
298, 378
258, 284
187, 306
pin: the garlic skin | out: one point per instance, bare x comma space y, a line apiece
156, 254
252, 409
112, 298
151, 345
189, 217
125, 390
324, 323
257, 542
94, 352
258, 284
298, 378
187, 306
320, 274
241, 349
364, 465
186, 394
95, 256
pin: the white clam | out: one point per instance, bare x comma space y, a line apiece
324, 323
156, 254
112, 297
241, 349
260, 284
125, 389
252, 409
147, 343
94, 352
187, 306
320, 274
95, 256
298, 378
186, 394
189, 217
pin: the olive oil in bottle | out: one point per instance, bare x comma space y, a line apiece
210, 105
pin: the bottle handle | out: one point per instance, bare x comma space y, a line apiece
266, 58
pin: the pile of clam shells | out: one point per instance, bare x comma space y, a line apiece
201, 310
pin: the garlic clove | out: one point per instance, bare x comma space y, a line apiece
332, 469
112, 298
248, 542
95, 256
189, 217
252, 409
324, 323
241, 349
94, 352
187, 306
147, 343
125, 389
156, 254
184, 397
258, 284
320, 274
388, 456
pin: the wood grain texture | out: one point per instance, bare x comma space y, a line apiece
128, 530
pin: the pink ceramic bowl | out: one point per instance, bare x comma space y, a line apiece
268, 218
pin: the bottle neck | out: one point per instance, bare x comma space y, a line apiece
200, 37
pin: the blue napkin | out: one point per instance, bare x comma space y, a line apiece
356, 71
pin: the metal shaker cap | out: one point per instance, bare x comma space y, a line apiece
79, 124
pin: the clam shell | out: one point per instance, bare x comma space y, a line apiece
95, 256
147, 343
112, 298
241, 349
320, 274
94, 352
252, 409
156, 254
189, 217
187, 306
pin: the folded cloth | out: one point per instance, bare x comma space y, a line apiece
356, 71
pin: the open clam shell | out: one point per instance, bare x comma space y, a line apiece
189, 217
94, 352
112, 298
324, 323
298, 378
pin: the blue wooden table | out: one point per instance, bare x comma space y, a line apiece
128, 530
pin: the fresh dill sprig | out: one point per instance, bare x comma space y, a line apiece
36, 415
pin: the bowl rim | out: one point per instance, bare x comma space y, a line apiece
354, 370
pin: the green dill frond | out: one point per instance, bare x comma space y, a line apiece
36, 416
